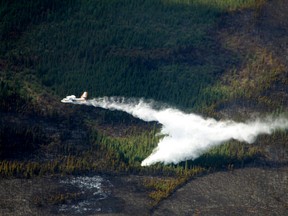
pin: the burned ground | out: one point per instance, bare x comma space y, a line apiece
248, 191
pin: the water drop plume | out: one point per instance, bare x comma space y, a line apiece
187, 136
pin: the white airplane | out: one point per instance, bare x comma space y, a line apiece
73, 98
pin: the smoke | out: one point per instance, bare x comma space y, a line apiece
187, 136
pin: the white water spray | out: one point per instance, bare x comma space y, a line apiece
187, 136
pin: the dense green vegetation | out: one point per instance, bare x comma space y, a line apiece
163, 50
166, 50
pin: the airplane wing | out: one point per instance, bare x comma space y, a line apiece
68, 99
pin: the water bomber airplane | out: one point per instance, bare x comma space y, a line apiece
72, 98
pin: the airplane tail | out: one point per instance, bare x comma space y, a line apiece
84, 95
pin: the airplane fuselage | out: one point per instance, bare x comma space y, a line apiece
72, 98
